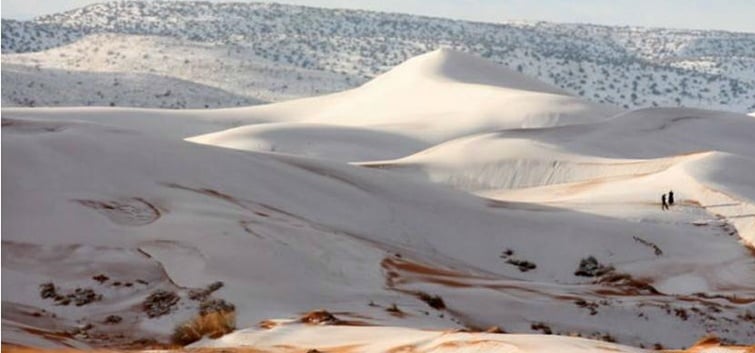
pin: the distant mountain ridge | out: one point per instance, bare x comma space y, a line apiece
624, 66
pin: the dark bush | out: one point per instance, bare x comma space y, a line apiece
434, 301
523, 265
590, 267
159, 303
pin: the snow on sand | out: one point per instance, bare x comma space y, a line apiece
287, 233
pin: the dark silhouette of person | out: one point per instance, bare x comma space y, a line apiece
664, 205
671, 198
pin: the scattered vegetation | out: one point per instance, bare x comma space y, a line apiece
47, 290
665, 68
494, 329
656, 249
434, 301
590, 267
204, 293
215, 305
159, 303
592, 306
393, 309
320, 317
84, 296
747, 317
80, 296
214, 320
542, 327
523, 265
628, 283
113, 319
100, 278
681, 313
506, 253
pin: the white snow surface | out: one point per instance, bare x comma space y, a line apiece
466, 171
435, 97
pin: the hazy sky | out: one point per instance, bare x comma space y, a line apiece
733, 15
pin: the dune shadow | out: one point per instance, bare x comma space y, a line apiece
741, 216
722, 205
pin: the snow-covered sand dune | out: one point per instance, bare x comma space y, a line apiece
689, 150
330, 231
332, 142
439, 96
89, 192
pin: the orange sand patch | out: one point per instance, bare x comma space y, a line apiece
713, 343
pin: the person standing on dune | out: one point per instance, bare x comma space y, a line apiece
664, 205
671, 198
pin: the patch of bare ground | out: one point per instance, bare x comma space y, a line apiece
494, 329
403, 349
59, 337
750, 248
324, 317
733, 299
320, 317
396, 268
124, 338
268, 324
713, 344
479, 344
623, 284
399, 271
715, 311
607, 282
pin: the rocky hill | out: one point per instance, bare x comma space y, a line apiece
624, 66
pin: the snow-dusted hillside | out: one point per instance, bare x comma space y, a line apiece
274, 52
118, 227
33, 87
231, 68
